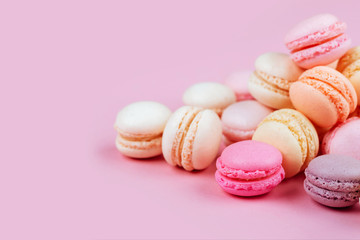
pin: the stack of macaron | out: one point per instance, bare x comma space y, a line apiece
295, 112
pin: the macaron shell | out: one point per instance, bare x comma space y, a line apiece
315, 105
203, 140
210, 95
268, 94
335, 167
284, 141
278, 65
330, 198
144, 118
249, 188
344, 139
310, 25
139, 149
264, 158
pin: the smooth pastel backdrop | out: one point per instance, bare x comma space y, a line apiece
67, 67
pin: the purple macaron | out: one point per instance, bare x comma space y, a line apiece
333, 180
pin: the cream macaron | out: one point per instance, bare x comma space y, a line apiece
209, 95
271, 80
191, 138
293, 134
140, 126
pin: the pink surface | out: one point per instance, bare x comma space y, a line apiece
67, 68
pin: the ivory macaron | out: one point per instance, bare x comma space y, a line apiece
271, 80
294, 135
139, 129
209, 95
191, 138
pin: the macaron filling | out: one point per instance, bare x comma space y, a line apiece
233, 134
258, 80
264, 184
188, 142
341, 196
243, 174
331, 185
139, 144
322, 35
177, 149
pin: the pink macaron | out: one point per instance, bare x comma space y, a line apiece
318, 40
238, 82
240, 119
249, 168
343, 139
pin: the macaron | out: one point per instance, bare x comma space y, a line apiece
324, 95
249, 168
318, 40
333, 180
192, 138
271, 80
139, 129
209, 95
293, 134
239, 120
343, 139
349, 65
238, 82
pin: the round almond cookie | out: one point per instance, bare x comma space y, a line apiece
319, 40
209, 95
293, 134
192, 138
249, 168
333, 180
239, 120
324, 95
271, 80
139, 129
343, 139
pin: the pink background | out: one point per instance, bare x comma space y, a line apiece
68, 67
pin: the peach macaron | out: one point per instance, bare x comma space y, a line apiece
324, 95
